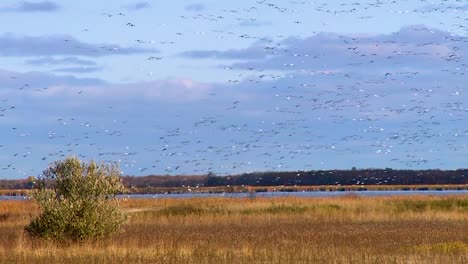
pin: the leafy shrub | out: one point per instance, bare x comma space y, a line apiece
77, 201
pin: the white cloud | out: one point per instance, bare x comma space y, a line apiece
22, 46
26, 6
138, 6
177, 90
414, 46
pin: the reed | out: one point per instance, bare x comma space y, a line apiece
350, 229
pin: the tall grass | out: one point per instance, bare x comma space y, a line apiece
262, 230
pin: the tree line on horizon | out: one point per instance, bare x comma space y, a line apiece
287, 178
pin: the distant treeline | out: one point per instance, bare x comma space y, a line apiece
320, 177
289, 178
17, 184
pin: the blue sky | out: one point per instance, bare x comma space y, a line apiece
187, 87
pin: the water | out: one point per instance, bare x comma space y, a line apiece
301, 194
281, 194
12, 198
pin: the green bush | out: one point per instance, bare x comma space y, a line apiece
77, 201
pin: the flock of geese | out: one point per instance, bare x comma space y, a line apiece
289, 102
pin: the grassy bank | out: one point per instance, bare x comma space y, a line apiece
348, 229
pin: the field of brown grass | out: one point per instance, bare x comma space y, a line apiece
347, 229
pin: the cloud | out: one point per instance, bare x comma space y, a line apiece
195, 7
412, 78
138, 6
13, 80
413, 46
175, 90
40, 84
61, 61
253, 52
43, 6
78, 69
22, 46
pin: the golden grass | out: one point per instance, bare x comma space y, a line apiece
346, 229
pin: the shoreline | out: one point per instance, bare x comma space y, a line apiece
267, 189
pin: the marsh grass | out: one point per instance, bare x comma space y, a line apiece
457, 247
348, 229
190, 209
448, 204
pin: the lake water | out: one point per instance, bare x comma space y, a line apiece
281, 194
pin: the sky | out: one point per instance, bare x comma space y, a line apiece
228, 87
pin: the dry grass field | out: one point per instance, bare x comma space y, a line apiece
347, 229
